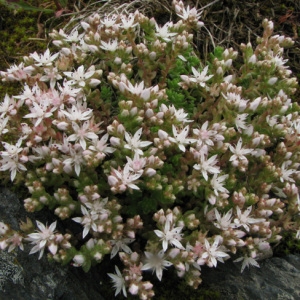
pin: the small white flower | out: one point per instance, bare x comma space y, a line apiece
109, 21
156, 262
80, 76
87, 220
170, 235
118, 281
120, 244
187, 13
244, 220
240, 122
207, 165
42, 238
82, 133
217, 184
286, 173
212, 254
181, 138
78, 112
134, 143
200, 77
163, 32
45, 59
247, 261
128, 21
111, 45
224, 222
239, 152
40, 111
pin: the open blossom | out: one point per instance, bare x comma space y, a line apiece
118, 282
74, 158
181, 138
207, 136
247, 261
40, 111
80, 76
111, 45
8, 106
207, 165
124, 178
199, 78
120, 244
101, 146
223, 222
239, 152
217, 183
163, 32
78, 112
44, 237
137, 89
286, 173
187, 13
170, 235
128, 21
156, 262
81, 134
52, 75
134, 143
17, 72
212, 253
243, 218
45, 59
88, 221
240, 121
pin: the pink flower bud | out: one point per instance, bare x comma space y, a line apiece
112, 180
116, 142
133, 289
79, 259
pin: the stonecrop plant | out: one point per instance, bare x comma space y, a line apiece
166, 161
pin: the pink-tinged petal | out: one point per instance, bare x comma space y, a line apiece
177, 244
53, 248
40, 225
85, 231
165, 245
42, 244
159, 273
159, 233
181, 147
53, 226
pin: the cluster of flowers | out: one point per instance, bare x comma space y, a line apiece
163, 160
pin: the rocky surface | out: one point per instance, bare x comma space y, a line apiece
277, 278
24, 277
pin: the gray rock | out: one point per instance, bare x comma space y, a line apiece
276, 279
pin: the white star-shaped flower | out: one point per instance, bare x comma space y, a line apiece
156, 262
243, 218
111, 45
170, 235
239, 152
43, 237
118, 281
181, 138
200, 77
212, 254
247, 261
163, 32
45, 59
207, 165
134, 143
